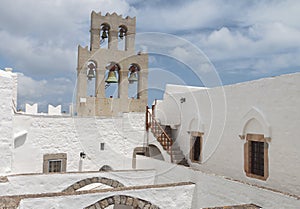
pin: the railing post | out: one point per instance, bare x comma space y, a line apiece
153, 110
147, 119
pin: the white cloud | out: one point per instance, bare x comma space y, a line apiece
40, 38
53, 91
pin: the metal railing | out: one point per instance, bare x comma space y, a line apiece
159, 133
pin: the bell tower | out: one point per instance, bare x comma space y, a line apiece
111, 77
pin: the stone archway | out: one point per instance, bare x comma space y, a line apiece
125, 200
87, 181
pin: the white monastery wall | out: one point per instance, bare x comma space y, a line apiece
31, 109
39, 135
41, 183
214, 191
164, 197
7, 84
54, 110
273, 102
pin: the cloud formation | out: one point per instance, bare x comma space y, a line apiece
244, 39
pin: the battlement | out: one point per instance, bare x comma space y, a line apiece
52, 110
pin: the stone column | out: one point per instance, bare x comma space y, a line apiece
95, 39
100, 82
113, 40
129, 42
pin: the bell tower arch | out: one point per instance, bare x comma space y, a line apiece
112, 51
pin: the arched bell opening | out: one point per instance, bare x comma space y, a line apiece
112, 80
91, 78
133, 80
104, 35
122, 35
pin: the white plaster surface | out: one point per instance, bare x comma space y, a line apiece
31, 109
213, 191
6, 120
47, 183
54, 110
57, 134
224, 113
165, 198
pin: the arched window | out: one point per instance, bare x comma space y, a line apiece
112, 80
257, 134
122, 35
91, 78
133, 79
104, 35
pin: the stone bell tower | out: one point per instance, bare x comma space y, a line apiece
111, 77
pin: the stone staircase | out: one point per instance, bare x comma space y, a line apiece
164, 137
177, 156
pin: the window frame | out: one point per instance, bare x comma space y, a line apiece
247, 156
193, 138
47, 158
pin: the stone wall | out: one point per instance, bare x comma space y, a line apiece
163, 196
218, 191
225, 115
44, 183
6, 119
58, 134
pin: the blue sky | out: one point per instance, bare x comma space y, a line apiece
244, 40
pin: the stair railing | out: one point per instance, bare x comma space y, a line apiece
158, 131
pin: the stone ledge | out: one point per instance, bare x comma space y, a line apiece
13, 201
83, 172
245, 206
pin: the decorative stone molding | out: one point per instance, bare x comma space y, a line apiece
87, 181
255, 113
196, 125
122, 200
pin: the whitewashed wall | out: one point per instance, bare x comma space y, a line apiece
221, 113
165, 198
6, 117
214, 191
41, 183
57, 134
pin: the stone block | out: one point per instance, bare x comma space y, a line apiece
104, 203
129, 201
117, 199
123, 200
114, 184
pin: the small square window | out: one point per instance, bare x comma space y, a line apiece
102, 146
55, 163
54, 166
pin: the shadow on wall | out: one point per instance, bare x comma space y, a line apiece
19, 139
155, 153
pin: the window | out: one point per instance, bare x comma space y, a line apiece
256, 156
102, 146
54, 166
55, 163
196, 147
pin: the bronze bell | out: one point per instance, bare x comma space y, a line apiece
132, 77
122, 33
104, 34
112, 78
91, 74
